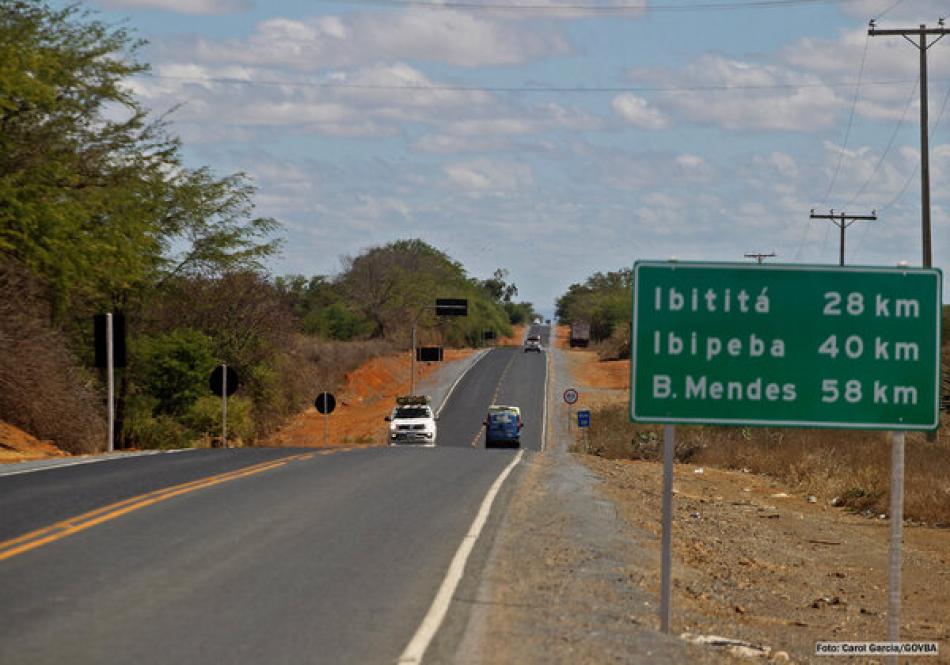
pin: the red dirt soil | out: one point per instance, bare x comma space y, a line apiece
18, 446
367, 398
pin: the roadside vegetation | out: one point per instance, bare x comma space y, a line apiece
852, 466
603, 301
99, 213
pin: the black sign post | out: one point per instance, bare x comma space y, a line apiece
325, 403
224, 381
109, 343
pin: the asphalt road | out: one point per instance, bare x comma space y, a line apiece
285, 556
507, 375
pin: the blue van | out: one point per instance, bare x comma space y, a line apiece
503, 426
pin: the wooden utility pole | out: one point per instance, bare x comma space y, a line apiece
922, 32
758, 256
843, 220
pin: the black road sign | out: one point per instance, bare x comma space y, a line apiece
451, 306
217, 374
488, 335
118, 339
429, 354
325, 402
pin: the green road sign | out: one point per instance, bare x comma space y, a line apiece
786, 345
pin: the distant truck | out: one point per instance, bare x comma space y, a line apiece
580, 334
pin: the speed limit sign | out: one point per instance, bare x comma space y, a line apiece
570, 395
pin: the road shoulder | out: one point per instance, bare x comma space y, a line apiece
563, 579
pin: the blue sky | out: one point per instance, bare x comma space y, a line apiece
555, 141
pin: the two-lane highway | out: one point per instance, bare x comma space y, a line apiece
251, 556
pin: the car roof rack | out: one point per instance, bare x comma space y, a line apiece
413, 400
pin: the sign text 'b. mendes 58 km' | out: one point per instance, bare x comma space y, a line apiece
786, 345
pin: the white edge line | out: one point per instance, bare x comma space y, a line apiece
417, 646
445, 399
544, 404
93, 460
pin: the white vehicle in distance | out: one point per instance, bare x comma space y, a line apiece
533, 343
412, 422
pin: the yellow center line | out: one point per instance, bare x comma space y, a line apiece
39, 537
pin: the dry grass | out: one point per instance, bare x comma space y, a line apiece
43, 390
852, 465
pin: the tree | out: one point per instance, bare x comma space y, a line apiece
101, 207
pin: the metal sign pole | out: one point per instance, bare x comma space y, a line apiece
326, 421
110, 380
897, 528
666, 557
224, 405
412, 363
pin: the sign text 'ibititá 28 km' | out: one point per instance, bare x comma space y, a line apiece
786, 345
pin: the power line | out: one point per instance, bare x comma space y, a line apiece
334, 85
847, 132
916, 170
682, 7
922, 45
843, 220
886, 11
887, 149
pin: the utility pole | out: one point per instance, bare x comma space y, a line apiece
758, 256
843, 220
922, 46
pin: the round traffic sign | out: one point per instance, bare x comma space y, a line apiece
570, 395
216, 380
325, 402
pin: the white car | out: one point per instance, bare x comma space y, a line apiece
412, 422
533, 343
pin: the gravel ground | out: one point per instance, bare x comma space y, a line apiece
564, 579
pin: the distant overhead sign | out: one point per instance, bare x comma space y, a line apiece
429, 354
451, 307
815, 346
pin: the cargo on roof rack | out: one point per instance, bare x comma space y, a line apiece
413, 400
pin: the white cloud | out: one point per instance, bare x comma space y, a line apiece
490, 176
639, 112
318, 43
745, 96
181, 6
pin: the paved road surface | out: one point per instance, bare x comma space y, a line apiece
309, 557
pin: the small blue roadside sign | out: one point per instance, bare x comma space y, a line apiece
583, 418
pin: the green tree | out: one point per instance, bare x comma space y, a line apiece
93, 195
174, 369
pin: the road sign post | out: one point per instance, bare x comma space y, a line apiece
786, 345
224, 405
570, 398
224, 381
325, 403
666, 549
110, 381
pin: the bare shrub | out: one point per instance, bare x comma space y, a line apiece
43, 390
617, 346
331, 360
851, 465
